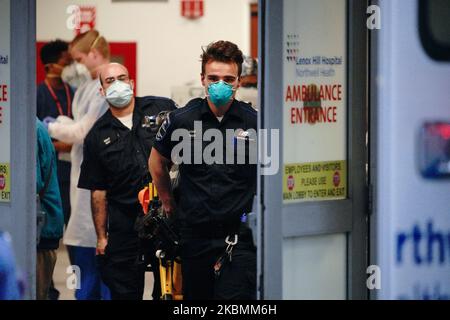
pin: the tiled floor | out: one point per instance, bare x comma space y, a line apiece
60, 276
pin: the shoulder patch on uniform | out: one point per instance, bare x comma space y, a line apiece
163, 129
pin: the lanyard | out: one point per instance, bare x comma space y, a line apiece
55, 98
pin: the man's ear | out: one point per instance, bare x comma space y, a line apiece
102, 92
132, 84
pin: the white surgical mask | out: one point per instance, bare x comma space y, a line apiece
75, 74
119, 94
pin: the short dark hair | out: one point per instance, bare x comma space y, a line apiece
222, 51
52, 51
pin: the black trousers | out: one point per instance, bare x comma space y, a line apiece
237, 279
125, 276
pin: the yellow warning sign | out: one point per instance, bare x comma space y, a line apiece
315, 181
5, 190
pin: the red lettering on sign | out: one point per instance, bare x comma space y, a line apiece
313, 115
296, 93
3, 92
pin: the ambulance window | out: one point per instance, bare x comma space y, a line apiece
434, 26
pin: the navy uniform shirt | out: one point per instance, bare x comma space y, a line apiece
115, 159
212, 196
46, 105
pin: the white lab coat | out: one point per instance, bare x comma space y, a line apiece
88, 106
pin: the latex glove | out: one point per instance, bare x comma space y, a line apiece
47, 121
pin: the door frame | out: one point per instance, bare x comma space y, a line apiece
348, 216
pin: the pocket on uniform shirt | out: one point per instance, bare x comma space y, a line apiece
197, 167
115, 156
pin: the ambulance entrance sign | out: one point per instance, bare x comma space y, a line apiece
314, 100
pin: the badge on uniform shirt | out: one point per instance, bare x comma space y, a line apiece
154, 122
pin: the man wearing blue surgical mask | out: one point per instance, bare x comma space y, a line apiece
216, 247
115, 169
221, 80
54, 98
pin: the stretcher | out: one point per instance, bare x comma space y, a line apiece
157, 227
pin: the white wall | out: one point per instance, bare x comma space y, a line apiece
168, 45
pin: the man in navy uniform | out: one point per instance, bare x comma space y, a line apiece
115, 169
216, 248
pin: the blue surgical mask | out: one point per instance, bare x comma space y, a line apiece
119, 94
220, 93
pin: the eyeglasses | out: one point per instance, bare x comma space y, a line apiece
122, 77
